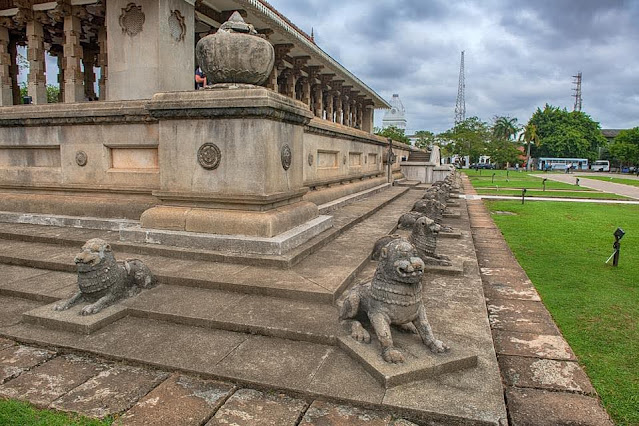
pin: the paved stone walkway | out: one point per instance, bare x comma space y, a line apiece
599, 185
145, 396
544, 384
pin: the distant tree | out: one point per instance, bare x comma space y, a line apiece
566, 134
425, 139
503, 151
505, 127
53, 94
625, 147
468, 138
394, 133
529, 136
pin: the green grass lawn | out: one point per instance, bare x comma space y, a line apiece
633, 182
15, 413
563, 247
553, 193
515, 180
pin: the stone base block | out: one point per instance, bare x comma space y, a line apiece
277, 245
230, 222
420, 362
452, 234
457, 268
67, 221
452, 214
71, 320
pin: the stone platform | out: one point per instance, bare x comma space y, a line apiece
269, 327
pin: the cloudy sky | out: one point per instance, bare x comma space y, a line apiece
520, 54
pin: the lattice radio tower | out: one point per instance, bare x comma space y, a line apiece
460, 106
577, 90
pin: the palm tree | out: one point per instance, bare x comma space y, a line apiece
530, 136
505, 127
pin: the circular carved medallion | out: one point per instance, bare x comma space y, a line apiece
310, 159
81, 158
209, 156
287, 157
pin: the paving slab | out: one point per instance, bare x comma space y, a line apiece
72, 320
346, 379
16, 359
274, 361
45, 287
10, 273
532, 407
322, 413
255, 408
532, 345
521, 315
12, 308
46, 383
546, 374
181, 399
6, 343
112, 391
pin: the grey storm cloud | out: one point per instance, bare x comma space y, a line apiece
520, 54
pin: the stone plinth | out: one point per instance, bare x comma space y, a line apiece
231, 162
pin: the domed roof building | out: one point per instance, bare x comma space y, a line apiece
396, 116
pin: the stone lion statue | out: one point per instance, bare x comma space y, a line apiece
423, 237
103, 281
393, 297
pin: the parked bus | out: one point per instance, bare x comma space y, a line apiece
600, 166
549, 163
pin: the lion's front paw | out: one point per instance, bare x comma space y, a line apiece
90, 309
61, 307
359, 333
437, 346
393, 355
409, 327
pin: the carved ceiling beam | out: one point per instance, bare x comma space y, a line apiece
281, 52
313, 72
325, 79
219, 17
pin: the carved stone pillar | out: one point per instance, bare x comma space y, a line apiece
347, 111
36, 82
329, 106
103, 63
88, 60
73, 77
306, 93
6, 93
367, 119
338, 108
318, 107
60, 59
359, 116
291, 79
13, 71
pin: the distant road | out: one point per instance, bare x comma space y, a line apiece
599, 185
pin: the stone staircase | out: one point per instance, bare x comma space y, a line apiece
270, 322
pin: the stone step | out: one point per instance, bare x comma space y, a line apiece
344, 218
320, 277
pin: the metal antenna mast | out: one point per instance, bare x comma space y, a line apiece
460, 106
577, 95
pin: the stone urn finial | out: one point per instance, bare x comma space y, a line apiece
235, 54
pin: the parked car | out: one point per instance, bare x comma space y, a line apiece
483, 166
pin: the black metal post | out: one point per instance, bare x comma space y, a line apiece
523, 195
544, 182
577, 182
492, 180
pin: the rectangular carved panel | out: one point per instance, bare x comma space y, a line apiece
134, 158
327, 159
355, 159
372, 159
30, 156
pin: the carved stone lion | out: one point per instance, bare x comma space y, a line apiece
424, 238
103, 281
393, 297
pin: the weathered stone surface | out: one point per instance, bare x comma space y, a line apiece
322, 413
532, 345
180, 399
12, 309
547, 374
520, 315
5, 343
531, 407
112, 391
72, 319
46, 383
252, 407
275, 361
47, 287
14, 360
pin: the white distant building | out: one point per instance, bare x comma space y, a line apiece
396, 116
